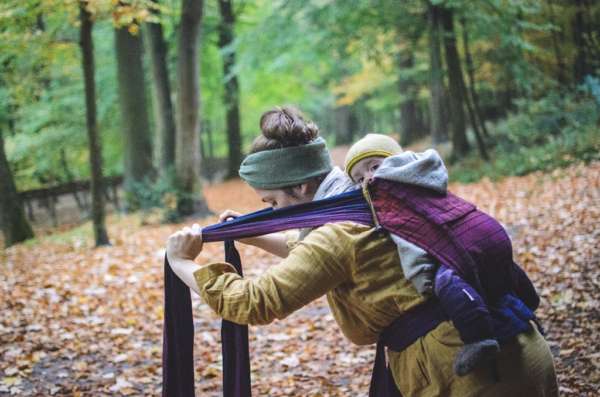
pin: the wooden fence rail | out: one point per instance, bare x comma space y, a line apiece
48, 197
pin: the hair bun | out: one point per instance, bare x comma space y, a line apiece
287, 127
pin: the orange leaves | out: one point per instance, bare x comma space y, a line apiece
82, 321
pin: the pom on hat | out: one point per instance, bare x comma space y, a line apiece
371, 145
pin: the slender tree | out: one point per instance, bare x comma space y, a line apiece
345, 124
460, 145
410, 123
94, 143
471, 77
561, 69
231, 95
134, 112
164, 116
12, 217
436, 77
187, 147
581, 67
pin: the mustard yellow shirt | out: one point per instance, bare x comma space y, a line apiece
359, 270
357, 267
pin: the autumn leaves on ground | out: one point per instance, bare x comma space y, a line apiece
83, 321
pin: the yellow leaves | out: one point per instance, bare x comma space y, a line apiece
373, 73
132, 14
11, 380
211, 371
371, 76
80, 366
133, 29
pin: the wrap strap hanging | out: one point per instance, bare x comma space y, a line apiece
178, 340
234, 342
178, 332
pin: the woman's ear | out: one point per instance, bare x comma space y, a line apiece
303, 191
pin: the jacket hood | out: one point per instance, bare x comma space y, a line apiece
421, 169
336, 182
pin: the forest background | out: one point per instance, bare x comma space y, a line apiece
175, 90
144, 106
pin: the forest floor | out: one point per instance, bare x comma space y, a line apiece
83, 321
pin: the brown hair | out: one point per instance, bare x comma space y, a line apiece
283, 127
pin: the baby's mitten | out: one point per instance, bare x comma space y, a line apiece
423, 280
475, 354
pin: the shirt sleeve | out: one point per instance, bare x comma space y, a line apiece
315, 266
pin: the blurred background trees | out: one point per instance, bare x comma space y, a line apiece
509, 86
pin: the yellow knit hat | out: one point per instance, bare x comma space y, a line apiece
371, 145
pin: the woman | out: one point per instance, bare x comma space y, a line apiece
356, 266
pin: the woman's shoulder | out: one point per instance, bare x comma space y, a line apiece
344, 238
346, 230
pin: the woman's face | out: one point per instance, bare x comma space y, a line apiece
279, 198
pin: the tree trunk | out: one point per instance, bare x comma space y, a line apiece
561, 72
581, 67
187, 147
471, 76
165, 120
410, 126
209, 140
343, 134
12, 217
436, 82
134, 113
94, 143
460, 145
231, 94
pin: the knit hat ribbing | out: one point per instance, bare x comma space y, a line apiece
371, 145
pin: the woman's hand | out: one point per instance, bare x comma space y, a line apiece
228, 214
185, 244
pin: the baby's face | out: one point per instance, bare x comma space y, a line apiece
365, 168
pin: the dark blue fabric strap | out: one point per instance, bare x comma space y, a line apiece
234, 344
412, 325
178, 338
382, 380
397, 336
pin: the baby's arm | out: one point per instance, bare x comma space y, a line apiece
418, 266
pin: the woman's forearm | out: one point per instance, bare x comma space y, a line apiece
275, 243
184, 269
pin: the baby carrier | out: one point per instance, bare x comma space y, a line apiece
454, 232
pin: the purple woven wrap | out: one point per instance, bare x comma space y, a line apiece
350, 206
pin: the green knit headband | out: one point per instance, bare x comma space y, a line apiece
289, 166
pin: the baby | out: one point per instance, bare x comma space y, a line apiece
365, 160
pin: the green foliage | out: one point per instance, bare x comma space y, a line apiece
161, 194
318, 55
553, 131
